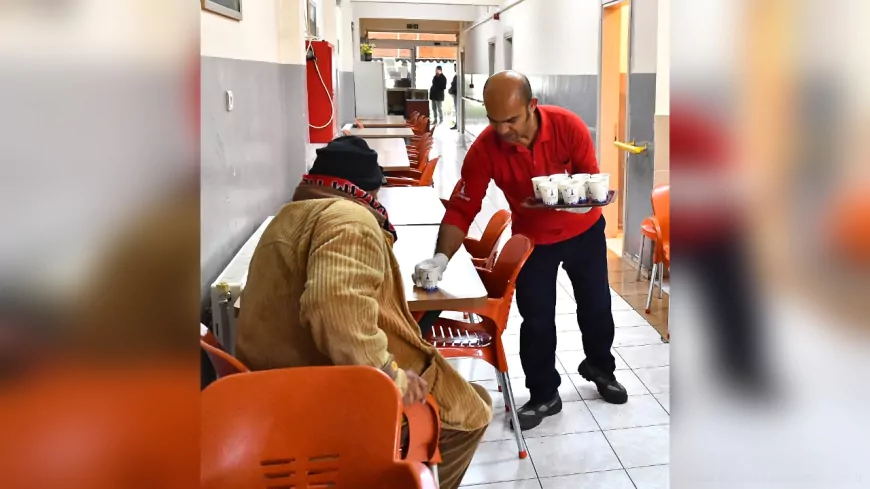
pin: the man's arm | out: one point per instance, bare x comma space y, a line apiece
583, 149
340, 299
465, 205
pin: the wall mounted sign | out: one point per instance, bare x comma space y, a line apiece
227, 8
413, 26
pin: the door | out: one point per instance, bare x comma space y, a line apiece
509, 52
491, 57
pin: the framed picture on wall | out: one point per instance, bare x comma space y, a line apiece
312, 18
227, 8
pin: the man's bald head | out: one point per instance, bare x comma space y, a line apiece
510, 107
510, 81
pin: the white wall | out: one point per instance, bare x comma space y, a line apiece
550, 37
347, 53
663, 60
644, 57
270, 31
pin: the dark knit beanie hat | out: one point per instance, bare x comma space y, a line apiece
351, 159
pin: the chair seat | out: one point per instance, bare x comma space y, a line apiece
458, 338
648, 229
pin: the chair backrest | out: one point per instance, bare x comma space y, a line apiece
207, 336
300, 427
661, 206
428, 173
224, 364
500, 282
487, 245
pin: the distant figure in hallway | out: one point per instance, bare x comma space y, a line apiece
452, 93
436, 95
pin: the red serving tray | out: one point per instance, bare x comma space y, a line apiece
533, 203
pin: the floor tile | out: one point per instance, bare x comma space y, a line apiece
646, 356
569, 341
655, 477
656, 379
498, 461
499, 428
611, 479
511, 344
571, 359
588, 391
525, 484
567, 391
642, 410
641, 447
472, 369
628, 318
665, 400
574, 418
515, 367
566, 322
571, 454
617, 303
636, 336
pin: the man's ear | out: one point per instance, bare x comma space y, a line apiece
533, 104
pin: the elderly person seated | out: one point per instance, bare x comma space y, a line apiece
324, 288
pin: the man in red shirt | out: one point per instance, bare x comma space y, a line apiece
525, 140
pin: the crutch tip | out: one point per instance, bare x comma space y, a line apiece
524, 454
646, 311
499, 388
507, 408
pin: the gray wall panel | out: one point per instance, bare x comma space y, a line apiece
346, 101
639, 169
577, 93
252, 157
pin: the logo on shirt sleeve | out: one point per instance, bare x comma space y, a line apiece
462, 195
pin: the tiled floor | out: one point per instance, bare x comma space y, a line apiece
591, 444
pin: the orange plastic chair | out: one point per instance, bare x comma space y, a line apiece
661, 221
224, 364
414, 178
359, 124
647, 232
483, 251
207, 336
456, 339
305, 427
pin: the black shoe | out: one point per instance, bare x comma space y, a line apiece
533, 412
453, 128
610, 390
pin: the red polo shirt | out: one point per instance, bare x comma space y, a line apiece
563, 145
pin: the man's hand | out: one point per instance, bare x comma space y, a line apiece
434, 267
417, 389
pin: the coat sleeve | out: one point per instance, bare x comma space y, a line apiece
340, 305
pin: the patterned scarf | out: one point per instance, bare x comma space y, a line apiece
355, 193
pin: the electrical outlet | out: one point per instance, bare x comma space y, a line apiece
230, 100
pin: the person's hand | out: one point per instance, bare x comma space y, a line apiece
576, 210
417, 388
434, 266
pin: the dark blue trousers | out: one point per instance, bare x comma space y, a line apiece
584, 258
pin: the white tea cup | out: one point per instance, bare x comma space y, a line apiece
428, 277
535, 182
570, 191
598, 188
581, 177
549, 193
558, 177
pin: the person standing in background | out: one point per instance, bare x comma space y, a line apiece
452, 93
436, 95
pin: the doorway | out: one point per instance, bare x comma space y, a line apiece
491, 57
613, 111
509, 52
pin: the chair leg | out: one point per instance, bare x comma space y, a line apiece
662, 280
518, 433
501, 388
652, 284
640, 258
434, 469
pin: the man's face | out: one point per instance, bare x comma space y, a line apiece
512, 119
438, 71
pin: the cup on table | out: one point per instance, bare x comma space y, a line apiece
549, 193
429, 276
598, 187
570, 191
535, 182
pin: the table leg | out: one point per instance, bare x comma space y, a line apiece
428, 320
